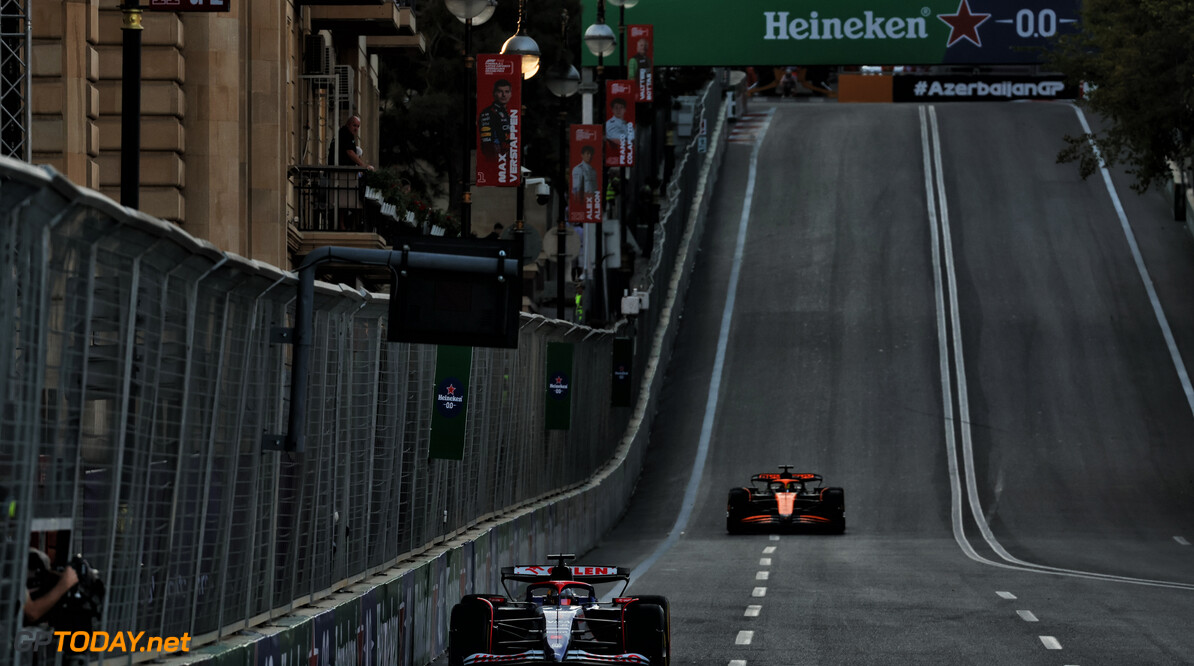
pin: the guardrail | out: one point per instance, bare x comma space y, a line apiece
140, 378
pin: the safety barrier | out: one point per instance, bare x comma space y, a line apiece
140, 380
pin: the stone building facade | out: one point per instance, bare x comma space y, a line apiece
232, 103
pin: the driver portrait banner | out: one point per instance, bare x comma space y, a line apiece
499, 121
585, 173
449, 403
619, 123
639, 67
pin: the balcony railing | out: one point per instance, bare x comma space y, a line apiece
331, 198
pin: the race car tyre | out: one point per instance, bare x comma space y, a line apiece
647, 631
838, 526
736, 506
661, 601
834, 498
468, 631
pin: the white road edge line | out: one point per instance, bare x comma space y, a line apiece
963, 400
727, 315
744, 637
1181, 540
1027, 616
1051, 643
753, 610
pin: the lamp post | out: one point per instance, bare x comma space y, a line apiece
521, 44
130, 114
470, 12
563, 81
601, 42
622, 6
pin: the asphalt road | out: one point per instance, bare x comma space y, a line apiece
935, 316
1017, 452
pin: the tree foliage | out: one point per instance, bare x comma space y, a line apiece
1136, 58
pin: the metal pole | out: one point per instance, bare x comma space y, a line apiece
130, 114
561, 199
466, 195
598, 304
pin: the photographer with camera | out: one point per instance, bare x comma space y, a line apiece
36, 577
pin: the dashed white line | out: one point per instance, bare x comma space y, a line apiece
753, 610
1027, 616
1181, 540
744, 637
737, 662
1050, 643
1006, 595
759, 592
769, 550
775, 537
762, 575
764, 561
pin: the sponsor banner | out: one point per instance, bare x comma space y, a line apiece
852, 32
620, 386
619, 123
557, 408
189, 5
499, 121
978, 88
639, 68
584, 150
450, 401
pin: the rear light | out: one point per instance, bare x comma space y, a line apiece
624, 600
497, 600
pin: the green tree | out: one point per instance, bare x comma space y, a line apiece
1136, 58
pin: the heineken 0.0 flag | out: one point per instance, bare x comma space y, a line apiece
620, 386
557, 409
450, 402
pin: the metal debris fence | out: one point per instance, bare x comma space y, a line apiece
139, 381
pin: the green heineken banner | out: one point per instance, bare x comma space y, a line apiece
557, 409
620, 388
849, 32
450, 401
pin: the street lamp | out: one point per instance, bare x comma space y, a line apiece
470, 12
522, 44
563, 81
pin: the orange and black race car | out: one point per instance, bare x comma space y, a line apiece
785, 500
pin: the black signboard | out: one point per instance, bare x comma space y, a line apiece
979, 88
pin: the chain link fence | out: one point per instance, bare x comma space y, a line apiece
140, 379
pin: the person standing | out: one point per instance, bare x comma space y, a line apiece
346, 152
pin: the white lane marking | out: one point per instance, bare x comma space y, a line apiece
1158, 312
744, 637
737, 662
762, 575
1027, 616
727, 316
775, 537
1051, 643
769, 550
1006, 595
963, 416
764, 561
753, 610
759, 592
1181, 540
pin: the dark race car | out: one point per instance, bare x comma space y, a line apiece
558, 619
785, 500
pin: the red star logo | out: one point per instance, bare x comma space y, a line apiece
559, 380
451, 390
963, 24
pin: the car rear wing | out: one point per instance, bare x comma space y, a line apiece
535, 573
776, 476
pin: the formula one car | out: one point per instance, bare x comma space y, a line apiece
786, 501
560, 620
